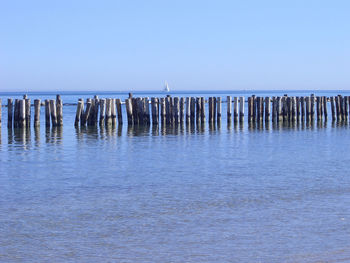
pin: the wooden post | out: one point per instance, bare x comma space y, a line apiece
182, 109
332, 108
37, 104
28, 112
59, 109
47, 113
96, 109
346, 107
193, 106
176, 110
341, 103
267, 109
273, 109
279, 109
308, 109
188, 109
294, 108
258, 112
297, 99
325, 110
289, 108
302, 108
318, 107
229, 109
163, 110
16, 114
312, 104
147, 116
77, 114
241, 109
235, 109
102, 103
202, 109
153, 110
129, 114
210, 107
22, 113
53, 113
119, 111
87, 112
214, 109
113, 112
198, 109
167, 109
9, 113
254, 102
134, 107
218, 109
337, 106
108, 120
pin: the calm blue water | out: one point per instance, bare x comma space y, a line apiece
175, 194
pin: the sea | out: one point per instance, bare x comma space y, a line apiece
212, 193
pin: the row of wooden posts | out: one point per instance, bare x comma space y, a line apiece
173, 110
19, 112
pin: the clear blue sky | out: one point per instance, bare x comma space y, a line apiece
137, 45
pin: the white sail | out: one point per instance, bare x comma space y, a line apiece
166, 87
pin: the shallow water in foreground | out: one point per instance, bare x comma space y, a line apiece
179, 194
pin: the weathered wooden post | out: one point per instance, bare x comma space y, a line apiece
78, 113
302, 108
176, 110
162, 110
318, 108
229, 109
96, 109
235, 109
129, 114
16, 114
218, 109
346, 107
332, 108
337, 106
167, 109
267, 109
113, 112
254, 102
308, 109
202, 109
102, 103
258, 112
87, 111
274, 109
210, 108
193, 106
37, 104
294, 109
214, 109
47, 113
188, 109
108, 112
241, 109
279, 109
153, 111
312, 104
325, 110
198, 109
297, 99
53, 113
182, 109
22, 113
59, 109
9, 113
119, 111
28, 112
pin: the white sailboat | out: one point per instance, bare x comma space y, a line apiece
166, 87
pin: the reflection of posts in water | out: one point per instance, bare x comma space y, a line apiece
120, 129
155, 129
37, 135
20, 135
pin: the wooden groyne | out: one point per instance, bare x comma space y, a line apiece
174, 110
